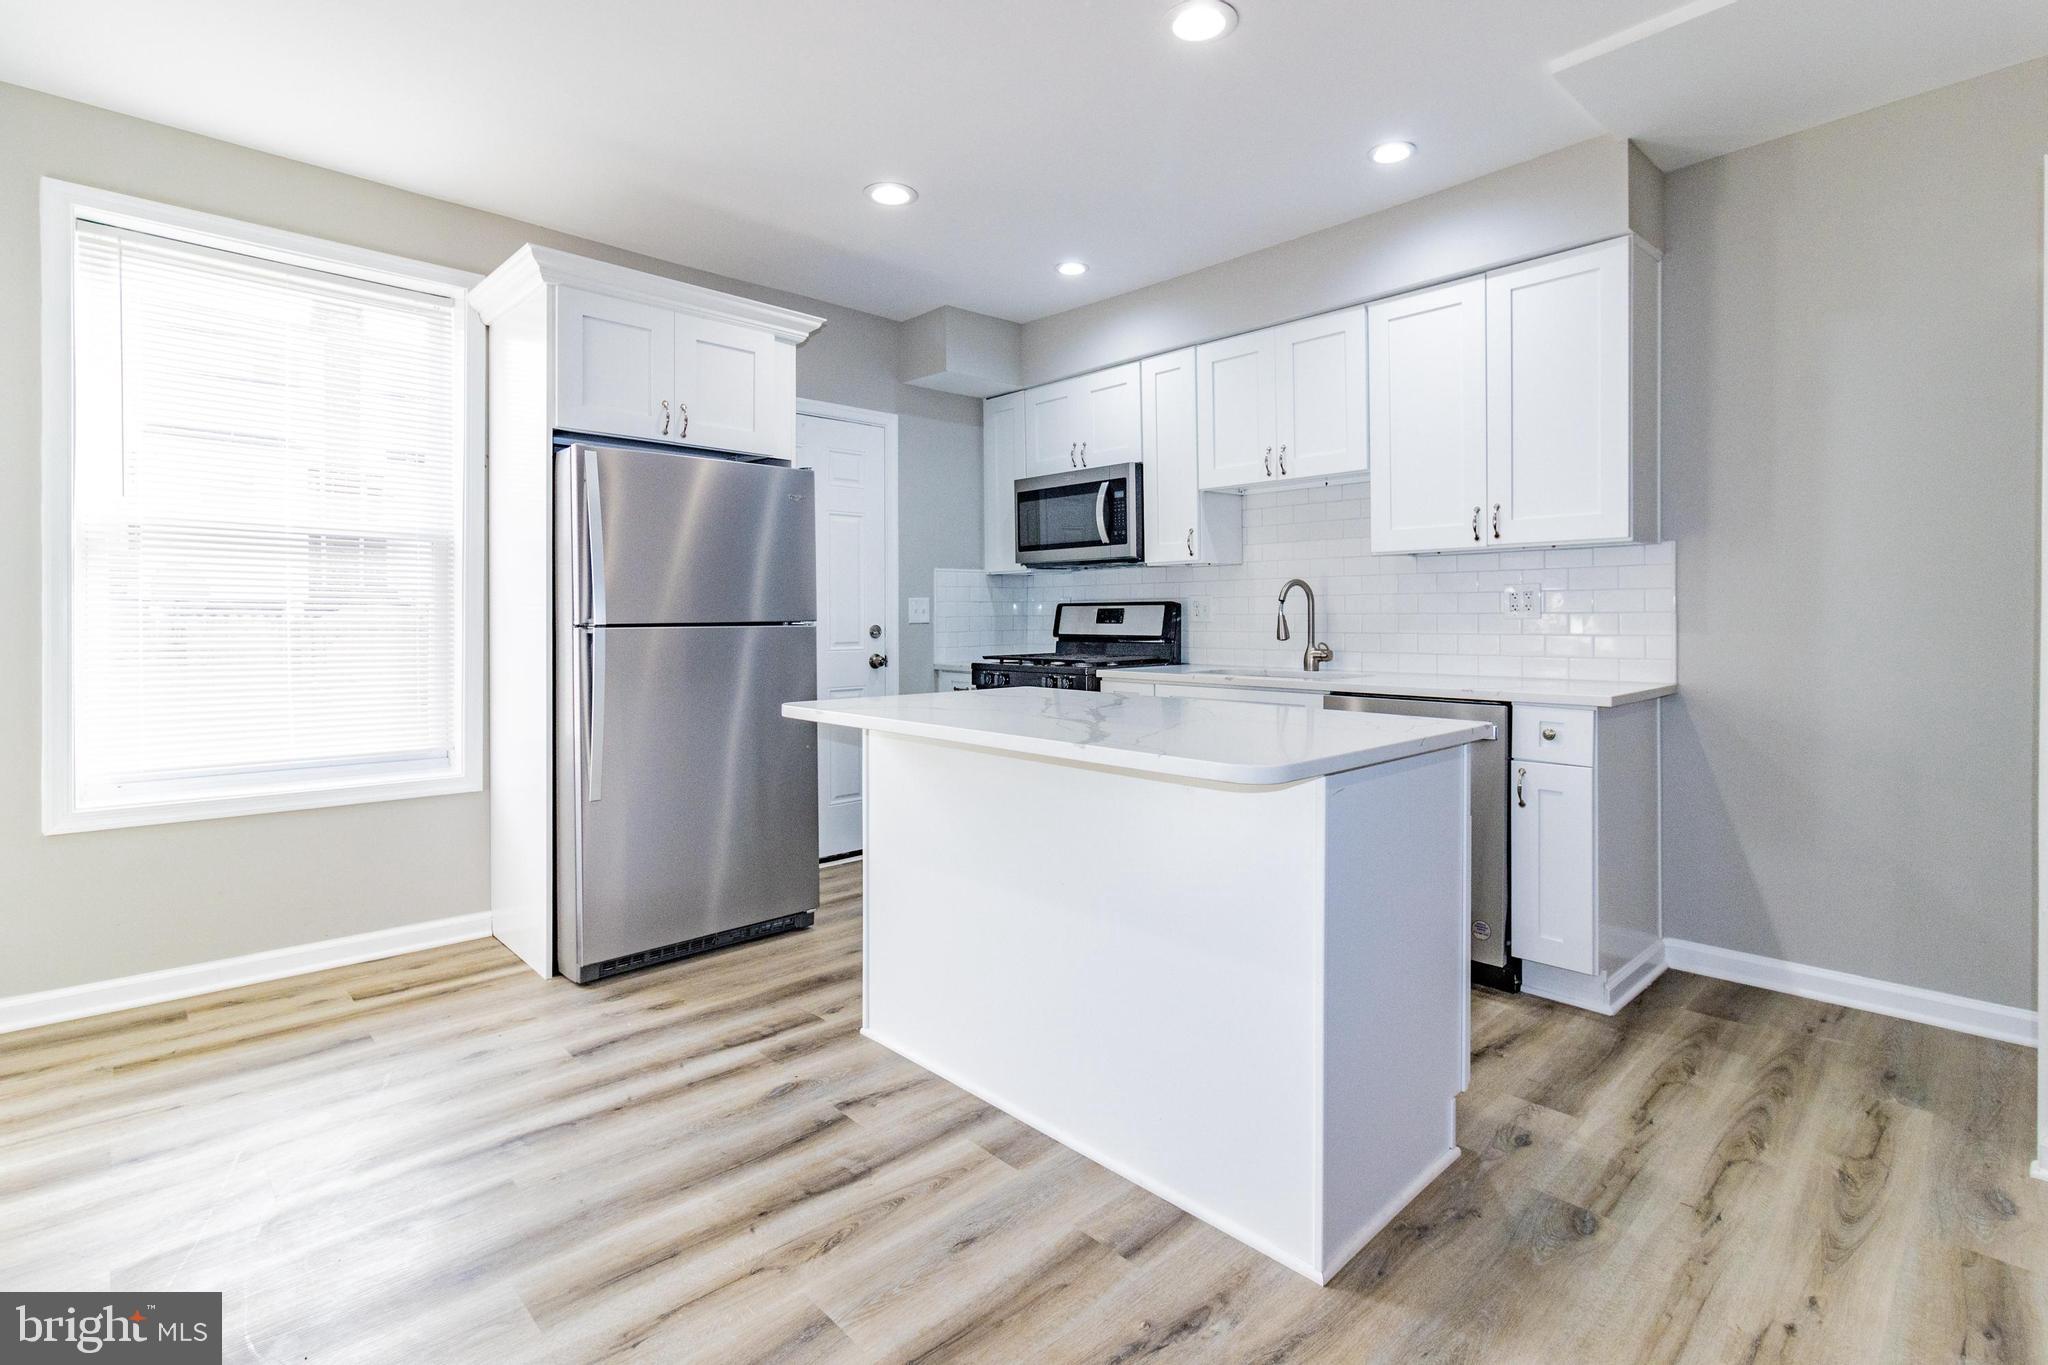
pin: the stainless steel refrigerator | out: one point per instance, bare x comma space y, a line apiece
686, 805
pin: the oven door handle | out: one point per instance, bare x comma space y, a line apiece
1102, 510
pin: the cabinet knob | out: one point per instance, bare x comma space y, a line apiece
1550, 732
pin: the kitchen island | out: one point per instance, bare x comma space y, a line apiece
1220, 949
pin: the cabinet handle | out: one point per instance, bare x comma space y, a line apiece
1283, 462
1520, 773
1191, 542
1084, 454
1496, 521
1269, 462
664, 417
1550, 732
1475, 524
686, 421
1073, 460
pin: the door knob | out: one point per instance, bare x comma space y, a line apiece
878, 661
874, 632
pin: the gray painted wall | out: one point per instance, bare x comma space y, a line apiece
85, 907
1566, 199
1852, 400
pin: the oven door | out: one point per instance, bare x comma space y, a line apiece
1082, 516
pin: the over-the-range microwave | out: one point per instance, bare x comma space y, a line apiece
1082, 516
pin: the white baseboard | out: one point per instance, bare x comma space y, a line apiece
2039, 1170
201, 978
2007, 1023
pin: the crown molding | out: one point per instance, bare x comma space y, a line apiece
533, 267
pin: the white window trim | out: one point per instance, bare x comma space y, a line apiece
63, 205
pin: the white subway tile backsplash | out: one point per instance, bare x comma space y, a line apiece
1609, 613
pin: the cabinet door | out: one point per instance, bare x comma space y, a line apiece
1550, 865
1002, 441
1109, 417
1172, 498
1557, 379
1234, 422
1319, 397
1426, 367
730, 390
1053, 423
614, 367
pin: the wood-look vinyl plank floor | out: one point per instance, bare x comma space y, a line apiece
443, 1158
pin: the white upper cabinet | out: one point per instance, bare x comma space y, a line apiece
1284, 405
655, 359
1319, 397
1527, 395
614, 366
1234, 391
1002, 450
731, 392
1110, 417
1053, 422
1428, 430
1183, 525
1558, 391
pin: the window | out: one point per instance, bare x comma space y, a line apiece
262, 578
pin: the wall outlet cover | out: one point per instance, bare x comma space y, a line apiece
1522, 599
1198, 610
920, 611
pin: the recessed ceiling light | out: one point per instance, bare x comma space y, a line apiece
1387, 153
891, 194
1073, 268
1198, 21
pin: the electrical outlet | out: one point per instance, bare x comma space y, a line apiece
920, 611
1523, 599
1198, 609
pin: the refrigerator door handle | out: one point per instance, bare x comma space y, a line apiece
593, 547
593, 772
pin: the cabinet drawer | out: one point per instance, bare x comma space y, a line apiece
1554, 734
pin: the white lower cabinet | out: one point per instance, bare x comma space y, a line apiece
1584, 913
950, 679
1550, 839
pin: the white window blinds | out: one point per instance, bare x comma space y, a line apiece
264, 589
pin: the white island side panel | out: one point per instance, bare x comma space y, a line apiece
1161, 1022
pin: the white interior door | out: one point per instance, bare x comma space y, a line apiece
849, 459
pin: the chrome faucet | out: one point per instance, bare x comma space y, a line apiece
1315, 653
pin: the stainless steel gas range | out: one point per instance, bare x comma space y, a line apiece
1090, 638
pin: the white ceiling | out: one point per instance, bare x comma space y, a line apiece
736, 135
1715, 76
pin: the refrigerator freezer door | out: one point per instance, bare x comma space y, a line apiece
679, 539
708, 814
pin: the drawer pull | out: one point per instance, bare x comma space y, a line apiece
1520, 773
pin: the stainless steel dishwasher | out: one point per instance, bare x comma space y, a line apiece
1493, 960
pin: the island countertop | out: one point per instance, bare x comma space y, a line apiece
1183, 737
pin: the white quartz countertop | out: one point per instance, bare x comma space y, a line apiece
1185, 737
1451, 687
